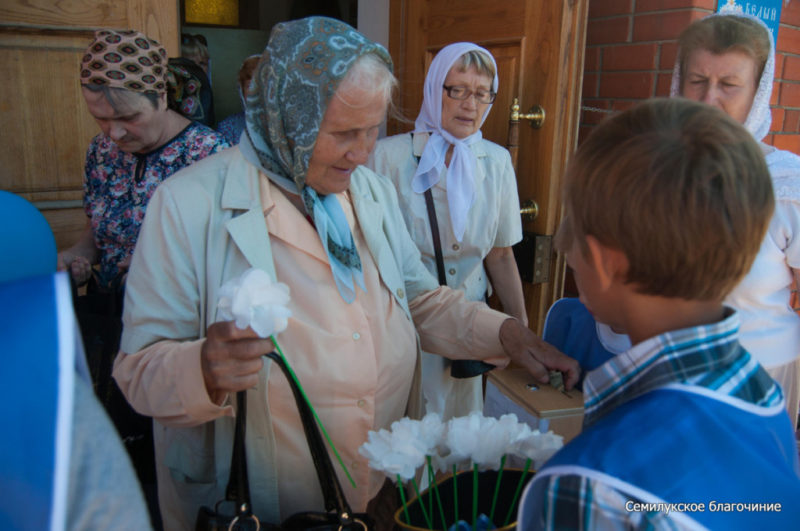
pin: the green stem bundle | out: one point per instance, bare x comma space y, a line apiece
516, 492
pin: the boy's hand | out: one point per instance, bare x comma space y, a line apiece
534, 354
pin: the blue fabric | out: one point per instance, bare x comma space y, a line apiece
30, 379
331, 224
571, 329
26, 241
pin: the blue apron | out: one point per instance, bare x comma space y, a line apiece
682, 444
37, 343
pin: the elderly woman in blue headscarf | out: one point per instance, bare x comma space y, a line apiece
458, 195
293, 199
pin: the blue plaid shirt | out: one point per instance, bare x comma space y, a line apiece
700, 356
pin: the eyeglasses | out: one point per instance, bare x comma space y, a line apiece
463, 93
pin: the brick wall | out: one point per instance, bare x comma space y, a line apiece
631, 48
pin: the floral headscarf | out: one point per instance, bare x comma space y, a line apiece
125, 59
298, 74
461, 173
759, 118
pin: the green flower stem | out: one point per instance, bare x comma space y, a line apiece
497, 487
319, 422
430, 486
455, 491
435, 489
403, 497
474, 495
516, 493
421, 504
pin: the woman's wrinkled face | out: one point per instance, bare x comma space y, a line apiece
137, 127
726, 81
462, 118
346, 138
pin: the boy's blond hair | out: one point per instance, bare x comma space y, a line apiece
678, 186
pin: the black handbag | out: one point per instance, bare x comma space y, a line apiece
338, 515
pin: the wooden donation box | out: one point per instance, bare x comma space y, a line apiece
514, 390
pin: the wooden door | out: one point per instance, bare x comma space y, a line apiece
45, 127
538, 46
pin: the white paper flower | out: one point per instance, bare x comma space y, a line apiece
256, 301
539, 447
496, 438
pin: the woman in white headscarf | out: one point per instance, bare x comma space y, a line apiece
474, 196
728, 61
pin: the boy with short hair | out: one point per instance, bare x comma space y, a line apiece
666, 205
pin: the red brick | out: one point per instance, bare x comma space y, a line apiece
630, 57
623, 105
592, 111
590, 85
627, 85
769, 139
608, 31
780, 62
591, 59
607, 8
790, 14
663, 82
775, 97
660, 5
663, 26
778, 115
789, 95
791, 67
788, 40
669, 51
791, 122
788, 142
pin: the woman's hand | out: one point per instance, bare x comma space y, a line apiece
78, 266
231, 359
536, 355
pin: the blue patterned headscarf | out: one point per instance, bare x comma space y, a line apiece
299, 72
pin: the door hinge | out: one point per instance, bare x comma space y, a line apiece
534, 255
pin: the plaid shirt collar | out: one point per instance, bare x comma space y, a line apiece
708, 356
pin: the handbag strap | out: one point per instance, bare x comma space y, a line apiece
331, 488
238, 489
437, 243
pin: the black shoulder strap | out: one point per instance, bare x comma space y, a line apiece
437, 242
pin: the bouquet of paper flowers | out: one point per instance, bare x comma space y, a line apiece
472, 452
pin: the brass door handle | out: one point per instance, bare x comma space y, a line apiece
535, 114
529, 210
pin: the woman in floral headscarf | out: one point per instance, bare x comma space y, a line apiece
446, 168
142, 142
728, 60
292, 199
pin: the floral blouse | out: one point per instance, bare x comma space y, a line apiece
118, 186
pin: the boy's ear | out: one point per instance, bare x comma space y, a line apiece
610, 264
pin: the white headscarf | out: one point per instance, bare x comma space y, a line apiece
461, 173
759, 118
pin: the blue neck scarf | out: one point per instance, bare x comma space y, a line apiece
297, 76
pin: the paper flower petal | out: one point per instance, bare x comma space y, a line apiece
254, 300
